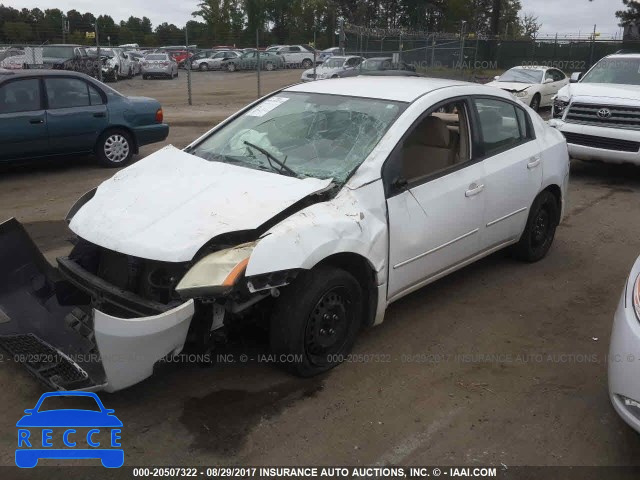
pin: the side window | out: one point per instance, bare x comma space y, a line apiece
558, 76
549, 75
524, 124
67, 92
352, 62
499, 125
20, 96
294, 49
438, 142
94, 96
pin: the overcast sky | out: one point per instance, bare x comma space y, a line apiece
562, 16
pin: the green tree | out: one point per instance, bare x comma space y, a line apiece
632, 13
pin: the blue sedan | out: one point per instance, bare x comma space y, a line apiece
51, 112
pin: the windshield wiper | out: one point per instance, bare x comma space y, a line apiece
270, 157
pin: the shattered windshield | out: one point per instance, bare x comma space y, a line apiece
312, 135
622, 71
522, 75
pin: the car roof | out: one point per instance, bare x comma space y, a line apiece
532, 67
37, 72
402, 89
624, 55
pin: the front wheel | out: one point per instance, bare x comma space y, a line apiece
535, 103
231, 67
316, 320
269, 66
540, 229
114, 148
204, 67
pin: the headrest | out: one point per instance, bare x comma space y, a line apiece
434, 133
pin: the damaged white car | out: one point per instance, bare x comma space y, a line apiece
308, 212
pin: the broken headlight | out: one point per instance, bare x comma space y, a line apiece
559, 107
216, 273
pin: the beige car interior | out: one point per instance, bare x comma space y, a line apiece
439, 141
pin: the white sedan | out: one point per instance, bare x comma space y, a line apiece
535, 86
308, 212
624, 371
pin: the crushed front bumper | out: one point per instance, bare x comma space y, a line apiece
49, 323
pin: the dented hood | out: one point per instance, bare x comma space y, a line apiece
600, 93
168, 205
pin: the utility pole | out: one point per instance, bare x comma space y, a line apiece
99, 60
593, 46
461, 59
64, 28
188, 62
314, 51
258, 59
341, 37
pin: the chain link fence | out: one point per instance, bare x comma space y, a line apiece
472, 56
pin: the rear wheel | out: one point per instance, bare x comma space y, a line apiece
316, 320
306, 63
115, 74
114, 148
269, 66
540, 229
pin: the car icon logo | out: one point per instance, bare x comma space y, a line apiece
69, 433
604, 113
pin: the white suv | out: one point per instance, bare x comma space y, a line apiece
599, 113
296, 55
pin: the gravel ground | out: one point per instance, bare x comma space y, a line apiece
500, 362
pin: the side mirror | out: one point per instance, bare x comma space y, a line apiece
548, 80
575, 77
29, 411
496, 78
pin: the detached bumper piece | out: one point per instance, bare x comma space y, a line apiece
50, 322
45, 362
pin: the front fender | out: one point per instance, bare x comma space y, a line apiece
355, 221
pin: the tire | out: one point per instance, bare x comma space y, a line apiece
203, 67
269, 66
535, 103
540, 230
115, 74
306, 63
130, 74
231, 67
316, 320
114, 148
144, 77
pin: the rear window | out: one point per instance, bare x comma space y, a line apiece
156, 57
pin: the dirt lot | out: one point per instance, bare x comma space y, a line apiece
501, 362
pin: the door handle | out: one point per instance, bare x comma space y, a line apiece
36, 121
474, 190
533, 162
99, 115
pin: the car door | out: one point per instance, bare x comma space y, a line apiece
435, 198
23, 122
552, 84
76, 114
512, 166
